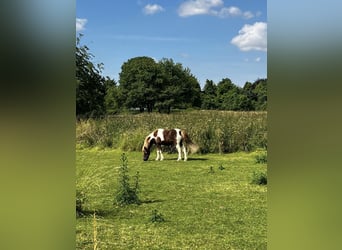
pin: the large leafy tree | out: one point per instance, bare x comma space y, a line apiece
226, 93
113, 97
90, 85
139, 80
260, 91
179, 88
162, 86
208, 96
257, 94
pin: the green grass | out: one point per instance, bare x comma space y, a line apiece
207, 202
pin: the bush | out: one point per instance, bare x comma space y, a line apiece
259, 178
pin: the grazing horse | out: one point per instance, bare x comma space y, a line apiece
174, 137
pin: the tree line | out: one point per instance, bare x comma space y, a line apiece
147, 85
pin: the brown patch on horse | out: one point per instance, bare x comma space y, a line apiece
169, 137
158, 140
155, 132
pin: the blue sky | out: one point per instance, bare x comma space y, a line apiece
215, 39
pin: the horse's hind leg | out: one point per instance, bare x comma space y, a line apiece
179, 152
185, 153
161, 155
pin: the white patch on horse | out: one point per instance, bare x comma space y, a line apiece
160, 134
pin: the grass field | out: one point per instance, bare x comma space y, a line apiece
207, 202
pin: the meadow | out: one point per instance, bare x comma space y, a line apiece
211, 201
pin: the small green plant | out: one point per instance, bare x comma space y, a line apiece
126, 194
259, 178
211, 170
156, 216
221, 167
80, 199
261, 158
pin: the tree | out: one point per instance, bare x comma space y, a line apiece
113, 97
179, 88
260, 91
139, 79
208, 96
257, 94
90, 89
226, 93
163, 85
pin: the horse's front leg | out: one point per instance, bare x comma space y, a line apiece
157, 159
159, 153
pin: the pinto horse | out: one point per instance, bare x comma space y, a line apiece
174, 137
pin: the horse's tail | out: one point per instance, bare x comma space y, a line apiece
192, 146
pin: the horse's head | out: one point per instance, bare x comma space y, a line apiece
146, 152
146, 149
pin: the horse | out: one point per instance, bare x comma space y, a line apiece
174, 137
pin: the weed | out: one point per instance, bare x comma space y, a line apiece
259, 178
156, 216
211, 170
126, 194
221, 167
80, 199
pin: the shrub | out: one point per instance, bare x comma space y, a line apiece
126, 194
259, 178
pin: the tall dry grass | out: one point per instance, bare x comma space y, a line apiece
212, 131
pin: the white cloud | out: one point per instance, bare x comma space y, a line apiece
258, 59
211, 7
248, 15
252, 37
233, 12
229, 12
80, 24
151, 9
198, 7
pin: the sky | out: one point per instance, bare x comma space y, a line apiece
215, 39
